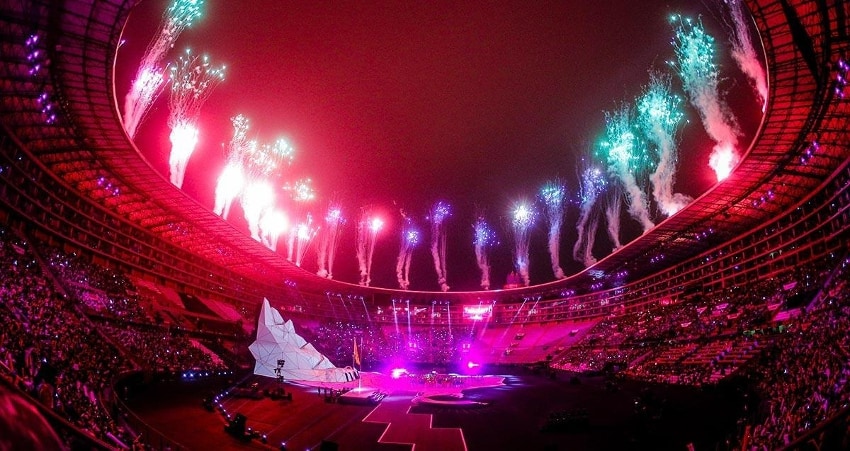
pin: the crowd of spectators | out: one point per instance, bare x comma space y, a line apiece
689, 341
51, 352
804, 379
101, 290
164, 351
72, 328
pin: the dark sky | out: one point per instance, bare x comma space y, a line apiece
400, 104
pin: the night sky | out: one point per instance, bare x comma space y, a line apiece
400, 104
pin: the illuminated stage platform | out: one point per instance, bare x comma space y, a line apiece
416, 384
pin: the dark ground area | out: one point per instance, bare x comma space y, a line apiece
533, 411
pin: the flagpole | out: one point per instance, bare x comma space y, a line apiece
360, 376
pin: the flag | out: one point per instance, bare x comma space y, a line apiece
356, 353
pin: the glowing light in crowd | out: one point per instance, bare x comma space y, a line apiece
367, 233
192, 80
523, 219
627, 158
232, 178
743, 52
300, 238
695, 64
659, 117
593, 183
148, 82
553, 196
410, 238
484, 238
272, 223
329, 241
439, 212
257, 196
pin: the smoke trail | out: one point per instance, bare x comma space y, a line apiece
523, 219
743, 52
659, 117
192, 81
367, 230
592, 184
698, 71
148, 83
612, 214
627, 156
232, 177
439, 212
553, 195
330, 241
409, 240
592, 227
484, 238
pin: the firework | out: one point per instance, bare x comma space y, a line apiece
484, 238
301, 190
268, 160
744, 53
593, 183
627, 158
149, 80
232, 177
272, 223
523, 219
659, 117
300, 238
553, 196
410, 238
330, 240
695, 55
439, 212
192, 80
367, 232
257, 197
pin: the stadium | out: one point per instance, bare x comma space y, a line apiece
130, 309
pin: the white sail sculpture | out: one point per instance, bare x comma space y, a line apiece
278, 341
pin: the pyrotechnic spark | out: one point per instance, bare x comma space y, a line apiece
300, 238
257, 197
229, 185
367, 232
268, 159
553, 195
330, 240
148, 82
659, 117
301, 190
192, 81
743, 52
593, 183
523, 219
484, 238
272, 223
695, 65
627, 156
232, 178
439, 212
410, 238
184, 138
